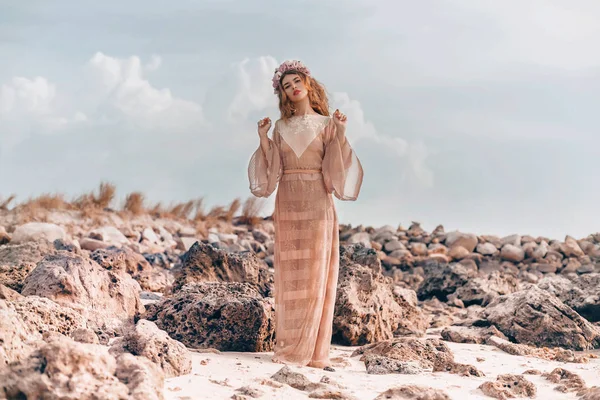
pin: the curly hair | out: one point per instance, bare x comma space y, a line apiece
316, 96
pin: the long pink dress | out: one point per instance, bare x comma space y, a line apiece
308, 164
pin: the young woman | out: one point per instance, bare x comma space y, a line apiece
308, 158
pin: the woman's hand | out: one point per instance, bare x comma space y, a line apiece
263, 127
339, 119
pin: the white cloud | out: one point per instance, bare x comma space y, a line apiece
125, 95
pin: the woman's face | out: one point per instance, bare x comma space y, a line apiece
294, 87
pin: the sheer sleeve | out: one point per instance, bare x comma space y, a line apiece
264, 170
342, 170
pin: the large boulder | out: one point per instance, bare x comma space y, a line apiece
18, 260
106, 299
224, 316
145, 339
537, 317
441, 279
467, 241
367, 310
65, 369
35, 231
205, 263
582, 293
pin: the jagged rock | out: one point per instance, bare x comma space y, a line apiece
224, 316
413, 392
7, 293
582, 293
63, 368
555, 354
146, 340
482, 290
296, 380
105, 299
380, 365
536, 317
18, 260
205, 263
424, 352
509, 386
35, 231
85, 335
442, 280
126, 261
366, 308
458, 334
569, 248
442, 365
109, 234
23, 321
567, 380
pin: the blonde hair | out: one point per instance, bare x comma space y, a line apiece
317, 96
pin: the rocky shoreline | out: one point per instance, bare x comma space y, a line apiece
118, 305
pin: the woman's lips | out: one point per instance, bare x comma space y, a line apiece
296, 92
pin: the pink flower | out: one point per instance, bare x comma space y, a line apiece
287, 66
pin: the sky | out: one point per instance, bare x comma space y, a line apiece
479, 115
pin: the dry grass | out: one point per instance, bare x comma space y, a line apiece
251, 210
4, 203
89, 201
46, 201
134, 203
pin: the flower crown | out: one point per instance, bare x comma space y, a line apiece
288, 65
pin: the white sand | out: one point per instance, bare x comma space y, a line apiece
247, 369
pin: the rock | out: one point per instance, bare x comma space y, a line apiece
581, 294
380, 365
547, 268
185, 243
7, 293
224, 316
366, 309
555, 354
413, 392
296, 380
4, 236
424, 352
187, 231
35, 231
250, 391
109, 234
442, 280
393, 245
419, 249
592, 393
452, 367
18, 260
569, 381
85, 335
487, 249
512, 253
459, 334
361, 237
93, 244
482, 290
586, 269
63, 368
106, 299
125, 261
536, 317
466, 240
509, 386
205, 263
514, 240
540, 251
146, 340
151, 236
569, 248
458, 252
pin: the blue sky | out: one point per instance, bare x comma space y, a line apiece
478, 115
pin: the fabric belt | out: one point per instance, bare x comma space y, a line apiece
302, 171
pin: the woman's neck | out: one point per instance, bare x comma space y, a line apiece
303, 107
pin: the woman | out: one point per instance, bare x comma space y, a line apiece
309, 159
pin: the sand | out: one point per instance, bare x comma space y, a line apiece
217, 376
